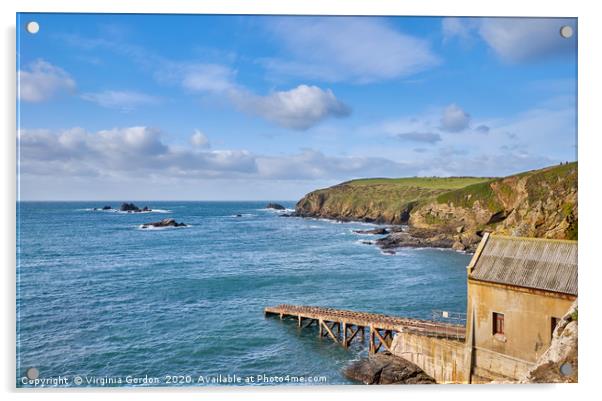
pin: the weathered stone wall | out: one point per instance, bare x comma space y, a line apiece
444, 360
527, 328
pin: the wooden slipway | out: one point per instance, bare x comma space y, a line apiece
344, 325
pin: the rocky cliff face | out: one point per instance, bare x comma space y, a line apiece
540, 203
379, 204
387, 201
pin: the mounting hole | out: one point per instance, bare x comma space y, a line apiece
32, 373
566, 369
32, 27
566, 31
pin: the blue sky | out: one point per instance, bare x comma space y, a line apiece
269, 107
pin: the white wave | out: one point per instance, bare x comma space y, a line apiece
90, 209
144, 211
239, 215
364, 242
276, 211
146, 227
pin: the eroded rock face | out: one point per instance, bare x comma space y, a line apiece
164, 223
385, 368
559, 364
540, 203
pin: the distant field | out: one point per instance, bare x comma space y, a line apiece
421, 182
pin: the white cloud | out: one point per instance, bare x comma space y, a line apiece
199, 139
121, 100
298, 108
515, 40
454, 27
357, 49
123, 152
454, 119
430, 127
426, 137
42, 81
207, 78
525, 39
313, 164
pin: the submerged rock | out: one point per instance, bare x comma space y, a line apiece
386, 369
376, 231
164, 223
275, 206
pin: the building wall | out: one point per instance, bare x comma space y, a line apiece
444, 360
527, 327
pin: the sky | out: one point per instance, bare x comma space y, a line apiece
191, 107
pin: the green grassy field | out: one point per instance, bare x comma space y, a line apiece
390, 199
421, 182
384, 198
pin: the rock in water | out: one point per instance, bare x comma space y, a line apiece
107, 207
276, 206
376, 231
129, 207
386, 369
164, 223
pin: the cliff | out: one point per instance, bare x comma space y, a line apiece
379, 200
454, 212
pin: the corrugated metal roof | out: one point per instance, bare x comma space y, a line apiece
528, 262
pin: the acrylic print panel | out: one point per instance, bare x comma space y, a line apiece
287, 200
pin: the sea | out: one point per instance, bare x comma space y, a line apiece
102, 302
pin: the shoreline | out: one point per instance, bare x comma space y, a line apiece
403, 235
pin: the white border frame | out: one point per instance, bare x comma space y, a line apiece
590, 33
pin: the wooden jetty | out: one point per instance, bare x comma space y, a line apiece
344, 325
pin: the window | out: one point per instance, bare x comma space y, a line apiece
555, 321
498, 323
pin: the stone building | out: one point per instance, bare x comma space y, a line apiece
518, 289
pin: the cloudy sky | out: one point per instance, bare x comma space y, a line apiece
243, 107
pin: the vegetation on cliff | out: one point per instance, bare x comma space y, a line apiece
386, 200
455, 211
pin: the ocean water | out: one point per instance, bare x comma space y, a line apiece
102, 300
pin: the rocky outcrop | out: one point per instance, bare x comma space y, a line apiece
376, 231
163, 223
377, 203
132, 208
539, 203
559, 363
275, 206
385, 368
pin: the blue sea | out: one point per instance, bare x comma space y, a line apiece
102, 300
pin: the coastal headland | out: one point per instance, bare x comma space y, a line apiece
454, 212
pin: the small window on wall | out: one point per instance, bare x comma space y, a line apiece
498, 323
555, 321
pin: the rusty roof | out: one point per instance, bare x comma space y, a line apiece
543, 264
